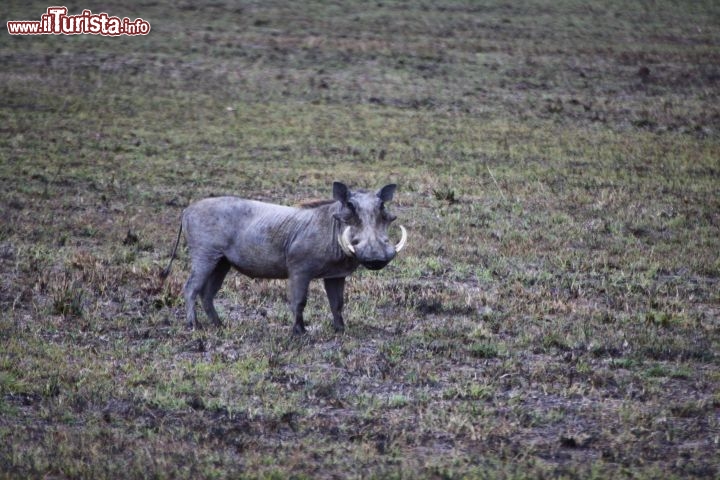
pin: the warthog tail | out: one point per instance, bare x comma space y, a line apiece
164, 273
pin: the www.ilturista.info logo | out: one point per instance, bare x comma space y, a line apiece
57, 22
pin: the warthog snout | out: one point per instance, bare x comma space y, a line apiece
372, 255
372, 248
376, 264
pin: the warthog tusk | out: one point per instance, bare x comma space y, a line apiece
344, 241
402, 241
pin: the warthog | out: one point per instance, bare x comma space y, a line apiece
326, 239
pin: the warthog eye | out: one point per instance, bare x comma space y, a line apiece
384, 214
350, 214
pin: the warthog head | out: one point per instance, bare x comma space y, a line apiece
365, 222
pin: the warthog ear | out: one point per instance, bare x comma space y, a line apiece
341, 192
386, 193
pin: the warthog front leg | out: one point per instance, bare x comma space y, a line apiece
298, 290
335, 288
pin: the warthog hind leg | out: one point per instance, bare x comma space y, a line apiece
212, 285
202, 269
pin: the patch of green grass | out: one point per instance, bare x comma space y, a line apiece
484, 350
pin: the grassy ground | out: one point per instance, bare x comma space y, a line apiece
556, 313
